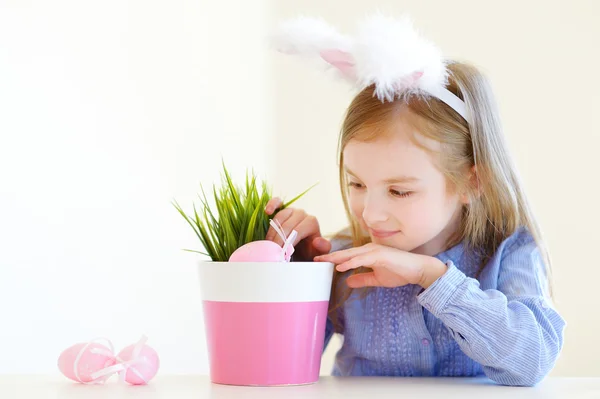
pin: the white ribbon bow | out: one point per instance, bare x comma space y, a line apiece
288, 241
100, 376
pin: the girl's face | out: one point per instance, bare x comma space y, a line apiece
398, 195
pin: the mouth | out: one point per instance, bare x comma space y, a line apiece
383, 233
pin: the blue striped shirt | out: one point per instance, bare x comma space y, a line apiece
502, 325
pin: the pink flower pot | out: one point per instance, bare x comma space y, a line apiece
265, 321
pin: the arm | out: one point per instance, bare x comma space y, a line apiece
513, 332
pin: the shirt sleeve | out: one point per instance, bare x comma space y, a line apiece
512, 331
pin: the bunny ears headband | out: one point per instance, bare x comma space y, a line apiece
387, 53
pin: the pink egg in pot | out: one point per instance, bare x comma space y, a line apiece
266, 250
258, 251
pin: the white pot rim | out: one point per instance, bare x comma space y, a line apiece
265, 281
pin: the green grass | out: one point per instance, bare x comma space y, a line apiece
238, 216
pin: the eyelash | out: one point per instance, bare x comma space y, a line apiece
395, 193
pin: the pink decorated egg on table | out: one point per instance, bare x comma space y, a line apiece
80, 361
258, 251
141, 365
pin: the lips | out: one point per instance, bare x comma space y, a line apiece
383, 233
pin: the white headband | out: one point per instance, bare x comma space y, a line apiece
387, 53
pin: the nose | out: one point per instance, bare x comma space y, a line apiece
374, 211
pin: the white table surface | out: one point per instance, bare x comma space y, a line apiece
200, 387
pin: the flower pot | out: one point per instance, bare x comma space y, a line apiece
265, 321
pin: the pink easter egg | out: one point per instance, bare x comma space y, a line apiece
258, 251
92, 358
144, 367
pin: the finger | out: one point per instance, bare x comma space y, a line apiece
281, 217
272, 205
307, 228
321, 245
362, 280
366, 260
344, 255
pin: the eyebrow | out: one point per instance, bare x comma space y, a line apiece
398, 179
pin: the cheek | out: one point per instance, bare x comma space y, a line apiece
414, 214
425, 212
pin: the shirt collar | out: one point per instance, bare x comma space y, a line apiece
454, 254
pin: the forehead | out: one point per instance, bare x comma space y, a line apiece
400, 152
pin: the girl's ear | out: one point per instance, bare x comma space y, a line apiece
474, 186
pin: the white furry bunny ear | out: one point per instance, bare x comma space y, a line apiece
386, 52
313, 37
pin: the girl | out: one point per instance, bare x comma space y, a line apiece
442, 271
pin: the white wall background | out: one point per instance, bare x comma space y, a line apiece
109, 110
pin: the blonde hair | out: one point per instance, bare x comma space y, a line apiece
498, 205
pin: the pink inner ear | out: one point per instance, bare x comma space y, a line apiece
341, 60
417, 75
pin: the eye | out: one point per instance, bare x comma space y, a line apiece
400, 194
355, 185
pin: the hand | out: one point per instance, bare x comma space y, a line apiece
391, 267
309, 242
